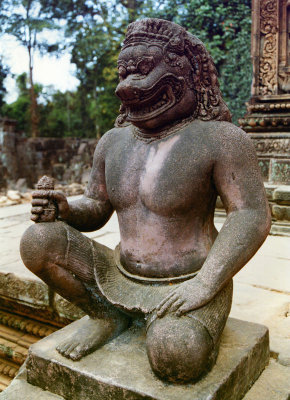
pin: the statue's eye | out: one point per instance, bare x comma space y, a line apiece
146, 65
122, 72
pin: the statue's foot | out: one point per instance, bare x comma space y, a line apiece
93, 333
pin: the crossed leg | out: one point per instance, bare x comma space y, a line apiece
180, 349
62, 257
183, 349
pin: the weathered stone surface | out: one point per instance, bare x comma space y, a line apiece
16, 282
19, 388
24, 160
66, 309
16, 335
273, 384
171, 108
281, 212
25, 290
280, 228
282, 194
219, 203
269, 190
21, 185
120, 369
268, 110
256, 304
280, 171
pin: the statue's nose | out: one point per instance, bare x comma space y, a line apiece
126, 91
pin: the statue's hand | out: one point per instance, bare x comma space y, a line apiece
47, 205
189, 296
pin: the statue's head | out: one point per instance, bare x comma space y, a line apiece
166, 74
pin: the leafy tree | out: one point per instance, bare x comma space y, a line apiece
19, 109
95, 30
225, 28
3, 75
26, 20
60, 115
94, 33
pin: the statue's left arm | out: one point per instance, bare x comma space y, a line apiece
238, 181
237, 178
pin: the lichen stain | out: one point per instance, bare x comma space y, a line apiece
155, 161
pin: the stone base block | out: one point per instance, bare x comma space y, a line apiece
21, 389
120, 369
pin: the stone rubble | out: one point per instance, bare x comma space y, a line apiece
13, 197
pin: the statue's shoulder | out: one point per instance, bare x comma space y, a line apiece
228, 141
113, 137
220, 138
221, 132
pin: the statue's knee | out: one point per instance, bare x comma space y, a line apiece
42, 242
179, 349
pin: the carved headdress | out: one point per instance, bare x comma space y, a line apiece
176, 41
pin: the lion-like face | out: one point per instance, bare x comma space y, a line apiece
154, 91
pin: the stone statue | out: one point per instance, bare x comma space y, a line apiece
173, 150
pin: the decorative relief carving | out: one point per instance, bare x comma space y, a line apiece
264, 165
262, 123
278, 146
284, 82
280, 171
270, 146
269, 38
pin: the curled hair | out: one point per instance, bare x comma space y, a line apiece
176, 40
210, 102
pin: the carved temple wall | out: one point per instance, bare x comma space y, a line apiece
65, 159
268, 111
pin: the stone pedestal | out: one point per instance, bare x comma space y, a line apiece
120, 369
268, 112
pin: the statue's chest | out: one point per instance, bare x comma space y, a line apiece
165, 177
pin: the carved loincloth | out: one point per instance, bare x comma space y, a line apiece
99, 269
132, 293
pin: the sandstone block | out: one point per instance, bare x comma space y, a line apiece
282, 194
281, 212
120, 369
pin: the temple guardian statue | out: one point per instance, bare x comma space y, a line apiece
172, 152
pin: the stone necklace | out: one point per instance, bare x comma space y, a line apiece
163, 133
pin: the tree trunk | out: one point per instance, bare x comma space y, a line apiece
33, 101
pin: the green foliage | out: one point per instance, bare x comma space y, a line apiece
94, 52
3, 74
225, 28
95, 30
94, 33
60, 115
19, 109
26, 20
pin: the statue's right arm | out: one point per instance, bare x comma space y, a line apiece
94, 209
